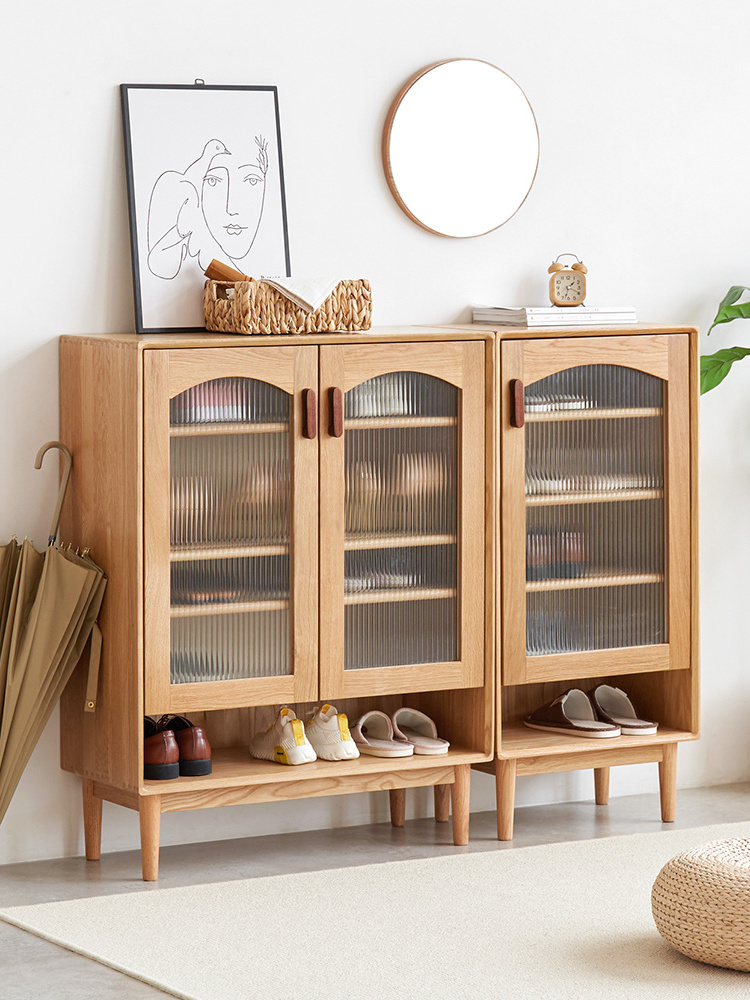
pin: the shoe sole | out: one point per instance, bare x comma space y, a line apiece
338, 751
194, 768
161, 772
377, 752
300, 754
286, 755
589, 734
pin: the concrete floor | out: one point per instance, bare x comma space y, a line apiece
31, 968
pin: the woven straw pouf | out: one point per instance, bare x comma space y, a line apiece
701, 903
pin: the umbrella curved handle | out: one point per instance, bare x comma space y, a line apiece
68, 458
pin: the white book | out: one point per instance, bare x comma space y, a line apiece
536, 316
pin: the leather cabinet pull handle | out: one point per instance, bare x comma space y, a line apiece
516, 403
310, 404
336, 427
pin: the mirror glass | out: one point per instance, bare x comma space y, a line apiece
460, 147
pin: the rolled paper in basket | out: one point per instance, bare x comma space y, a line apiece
217, 271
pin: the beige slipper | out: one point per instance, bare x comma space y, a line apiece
613, 705
412, 726
373, 734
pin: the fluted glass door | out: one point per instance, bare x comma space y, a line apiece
231, 528
594, 489
595, 448
401, 543
230, 531
396, 483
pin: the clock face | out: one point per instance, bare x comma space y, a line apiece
568, 288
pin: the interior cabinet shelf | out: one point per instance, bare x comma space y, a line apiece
378, 423
398, 594
580, 496
211, 430
609, 413
584, 582
355, 543
202, 552
228, 608
391, 595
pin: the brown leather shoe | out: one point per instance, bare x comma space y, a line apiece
192, 742
161, 755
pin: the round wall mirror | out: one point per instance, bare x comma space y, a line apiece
460, 147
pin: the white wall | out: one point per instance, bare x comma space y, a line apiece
642, 113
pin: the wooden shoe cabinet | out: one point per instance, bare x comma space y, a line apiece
464, 520
283, 520
597, 545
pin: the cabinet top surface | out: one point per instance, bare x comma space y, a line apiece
383, 334
556, 332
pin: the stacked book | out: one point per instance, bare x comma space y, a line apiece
540, 316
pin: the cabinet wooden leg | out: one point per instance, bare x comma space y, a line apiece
149, 810
601, 785
668, 782
92, 821
398, 806
442, 803
460, 794
505, 795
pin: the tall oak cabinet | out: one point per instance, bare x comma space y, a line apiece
283, 520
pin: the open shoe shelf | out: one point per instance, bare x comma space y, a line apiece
519, 741
234, 767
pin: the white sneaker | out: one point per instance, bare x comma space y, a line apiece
328, 732
284, 742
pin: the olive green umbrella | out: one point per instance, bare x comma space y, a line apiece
52, 610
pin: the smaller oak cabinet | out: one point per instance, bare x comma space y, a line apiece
597, 532
283, 520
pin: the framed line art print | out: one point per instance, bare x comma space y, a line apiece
205, 181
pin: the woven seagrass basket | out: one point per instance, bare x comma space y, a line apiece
701, 903
254, 307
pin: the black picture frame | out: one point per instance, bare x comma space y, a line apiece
205, 180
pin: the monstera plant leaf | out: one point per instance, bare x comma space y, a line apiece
715, 367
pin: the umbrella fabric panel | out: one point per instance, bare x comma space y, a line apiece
9, 555
44, 654
22, 737
24, 588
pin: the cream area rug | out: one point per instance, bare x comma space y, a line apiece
566, 922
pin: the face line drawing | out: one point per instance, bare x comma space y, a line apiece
217, 212
222, 212
231, 212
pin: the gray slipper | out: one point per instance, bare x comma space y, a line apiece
571, 714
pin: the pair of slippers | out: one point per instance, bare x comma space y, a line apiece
603, 713
404, 733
